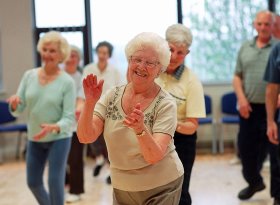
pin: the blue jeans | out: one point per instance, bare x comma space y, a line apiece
38, 154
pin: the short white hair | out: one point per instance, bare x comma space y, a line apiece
179, 34
55, 37
151, 41
77, 50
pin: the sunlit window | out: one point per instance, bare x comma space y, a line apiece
59, 13
277, 9
123, 19
219, 28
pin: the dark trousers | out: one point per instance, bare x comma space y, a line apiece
275, 166
186, 149
253, 147
75, 172
253, 144
275, 170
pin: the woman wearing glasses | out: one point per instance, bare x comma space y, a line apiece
138, 121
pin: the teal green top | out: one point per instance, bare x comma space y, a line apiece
51, 103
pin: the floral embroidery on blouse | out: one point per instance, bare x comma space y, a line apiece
112, 110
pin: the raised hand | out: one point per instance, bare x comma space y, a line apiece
92, 88
135, 119
14, 101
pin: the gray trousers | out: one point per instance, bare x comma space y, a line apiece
168, 194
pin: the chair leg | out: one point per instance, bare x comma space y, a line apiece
214, 139
2, 153
221, 140
18, 145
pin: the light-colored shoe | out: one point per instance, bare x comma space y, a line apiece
234, 161
266, 164
72, 198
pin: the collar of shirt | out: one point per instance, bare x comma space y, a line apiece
178, 72
271, 41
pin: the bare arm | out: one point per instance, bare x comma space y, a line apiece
90, 126
188, 127
153, 146
271, 98
243, 104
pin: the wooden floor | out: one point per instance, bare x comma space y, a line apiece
214, 182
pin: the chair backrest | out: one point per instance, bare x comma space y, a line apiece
229, 103
5, 115
208, 104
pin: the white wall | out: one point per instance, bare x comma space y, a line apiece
17, 54
16, 41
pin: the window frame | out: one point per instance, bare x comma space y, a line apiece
87, 34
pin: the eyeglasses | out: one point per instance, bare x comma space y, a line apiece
138, 61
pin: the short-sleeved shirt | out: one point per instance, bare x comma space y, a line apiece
187, 90
272, 72
110, 75
51, 103
250, 67
129, 170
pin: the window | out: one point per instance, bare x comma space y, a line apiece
219, 28
62, 13
124, 19
277, 7
67, 17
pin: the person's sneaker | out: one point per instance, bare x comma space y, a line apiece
108, 180
72, 198
235, 161
266, 164
276, 201
96, 170
249, 191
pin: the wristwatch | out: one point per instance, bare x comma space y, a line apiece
141, 134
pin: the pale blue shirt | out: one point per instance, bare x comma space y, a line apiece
51, 103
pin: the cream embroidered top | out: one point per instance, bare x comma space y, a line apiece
129, 170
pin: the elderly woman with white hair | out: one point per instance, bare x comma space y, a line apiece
138, 120
187, 90
48, 95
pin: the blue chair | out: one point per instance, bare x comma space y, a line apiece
230, 115
208, 120
8, 124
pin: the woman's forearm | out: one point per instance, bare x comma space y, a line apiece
85, 129
152, 150
188, 127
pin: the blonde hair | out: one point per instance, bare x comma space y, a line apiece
77, 50
55, 37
